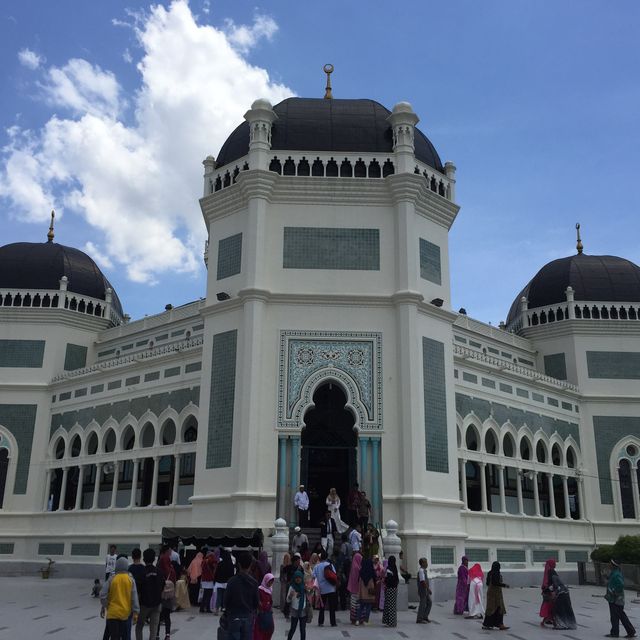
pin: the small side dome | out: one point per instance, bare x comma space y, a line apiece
593, 279
261, 103
41, 265
403, 107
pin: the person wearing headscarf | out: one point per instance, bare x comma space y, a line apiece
333, 506
391, 580
224, 572
563, 616
366, 591
462, 588
194, 570
285, 578
379, 570
476, 592
615, 597
546, 608
260, 567
353, 587
165, 567
263, 626
496, 610
209, 565
297, 599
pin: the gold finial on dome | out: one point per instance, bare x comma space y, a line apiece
50, 235
328, 69
579, 246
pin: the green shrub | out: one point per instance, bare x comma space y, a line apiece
626, 550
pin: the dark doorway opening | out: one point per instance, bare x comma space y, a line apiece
328, 456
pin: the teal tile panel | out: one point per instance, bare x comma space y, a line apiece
460, 339
331, 248
171, 372
490, 384
229, 256
608, 430
164, 336
28, 354
477, 554
542, 555
537, 397
221, 400
65, 396
51, 549
127, 347
473, 343
442, 555
80, 393
555, 365
141, 343
510, 555
97, 388
6, 548
179, 332
522, 393
567, 406
198, 327
518, 417
86, 549
150, 377
435, 406
506, 388
494, 351
108, 352
614, 365
132, 380
506, 355
469, 377
553, 402
192, 367
576, 556
114, 384
75, 357
20, 420
430, 264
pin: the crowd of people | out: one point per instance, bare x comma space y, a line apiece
350, 575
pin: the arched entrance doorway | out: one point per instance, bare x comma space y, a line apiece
329, 444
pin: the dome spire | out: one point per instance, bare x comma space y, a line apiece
328, 69
579, 246
50, 235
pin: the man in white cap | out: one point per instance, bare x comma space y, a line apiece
301, 502
298, 540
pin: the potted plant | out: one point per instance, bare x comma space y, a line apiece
45, 572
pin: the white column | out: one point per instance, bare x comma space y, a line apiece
483, 486
96, 486
552, 498
634, 487
63, 488
176, 479
582, 503
154, 487
114, 486
519, 489
47, 490
78, 504
134, 483
503, 500
565, 491
536, 493
463, 475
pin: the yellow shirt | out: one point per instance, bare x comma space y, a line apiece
119, 598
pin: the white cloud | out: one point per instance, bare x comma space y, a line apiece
97, 254
30, 59
245, 37
137, 182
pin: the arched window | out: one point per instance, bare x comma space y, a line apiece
626, 489
490, 442
168, 433
571, 458
541, 452
59, 450
525, 449
471, 438
509, 446
76, 446
148, 435
109, 441
190, 430
128, 439
556, 455
4, 468
92, 444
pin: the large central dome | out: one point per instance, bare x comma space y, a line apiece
317, 124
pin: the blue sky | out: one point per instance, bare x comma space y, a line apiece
108, 109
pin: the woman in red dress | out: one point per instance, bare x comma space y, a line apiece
263, 626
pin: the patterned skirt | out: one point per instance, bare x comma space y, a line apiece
389, 613
353, 607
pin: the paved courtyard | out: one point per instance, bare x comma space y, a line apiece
32, 608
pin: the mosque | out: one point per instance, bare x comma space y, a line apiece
325, 351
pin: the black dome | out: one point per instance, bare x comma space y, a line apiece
40, 265
593, 278
316, 124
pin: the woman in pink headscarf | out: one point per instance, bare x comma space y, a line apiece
353, 586
263, 625
476, 593
546, 610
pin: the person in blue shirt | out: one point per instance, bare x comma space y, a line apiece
327, 588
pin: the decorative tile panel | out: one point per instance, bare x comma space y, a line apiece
469, 377
542, 555
430, 268
192, 367
442, 555
151, 377
576, 556
555, 365
85, 549
477, 554
97, 388
354, 359
229, 256
171, 372
114, 384
614, 365
6, 548
506, 388
51, 549
510, 555
75, 357
27, 354
221, 399
435, 406
20, 420
517, 417
607, 431
132, 380
331, 248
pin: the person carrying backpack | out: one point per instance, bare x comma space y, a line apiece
150, 596
325, 574
168, 597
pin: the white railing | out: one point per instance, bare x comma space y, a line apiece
142, 356
59, 299
498, 363
575, 310
329, 165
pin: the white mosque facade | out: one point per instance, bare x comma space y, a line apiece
325, 351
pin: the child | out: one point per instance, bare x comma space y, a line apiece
95, 591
